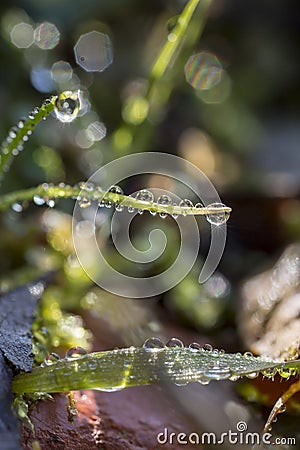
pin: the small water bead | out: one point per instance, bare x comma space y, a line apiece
248, 355
17, 207
198, 206
269, 373
84, 202
110, 389
67, 106
180, 382
75, 353
113, 190
174, 342
207, 347
195, 347
51, 359
86, 186
219, 371
234, 377
153, 344
285, 372
175, 215
119, 207
186, 204
25, 138
204, 381
13, 132
50, 203
38, 200
21, 123
144, 196
281, 409
164, 200
252, 375
116, 190
217, 218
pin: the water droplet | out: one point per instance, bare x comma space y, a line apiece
75, 352
219, 371
21, 123
186, 204
217, 218
252, 375
198, 206
110, 389
282, 408
52, 358
234, 377
13, 132
86, 186
207, 347
153, 344
50, 203
67, 106
38, 200
119, 207
84, 202
203, 381
270, 372
248, 355
116, 190
164, 200
284, 372
174, 342
195, 347
180, 382
221, 352
144, 196
17, 207
25, 138
175, 215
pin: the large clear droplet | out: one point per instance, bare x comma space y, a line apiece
217, 218
52, 358
195, 347
144, 196
164, 200
153, 344
75, 353
116, 190
174, 342
187, 205
67, 106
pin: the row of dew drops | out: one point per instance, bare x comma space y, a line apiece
147, 197
219, 370
144, 195
26, 124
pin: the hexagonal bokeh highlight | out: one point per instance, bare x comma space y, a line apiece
22, 35
61, 71
203, 71
94, 51
46, 36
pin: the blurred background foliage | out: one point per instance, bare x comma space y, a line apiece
241, 128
